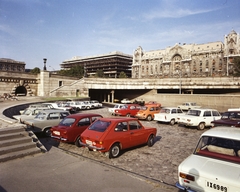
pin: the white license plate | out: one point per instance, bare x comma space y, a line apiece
56, 132
89, 142
217, 187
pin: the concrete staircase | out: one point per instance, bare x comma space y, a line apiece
16, 142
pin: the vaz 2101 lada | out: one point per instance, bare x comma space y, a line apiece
215, 163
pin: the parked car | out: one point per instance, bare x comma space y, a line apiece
168, 115
199, 118
29, 113
128, 110
79, 105
71, 127
188, 105
234, 109
229, 118
111, 135
61, 105
96, 104
35, 106
126, 101
214, 164
147, 112
46, 119
117, 106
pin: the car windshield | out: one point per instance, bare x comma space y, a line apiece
99, 125
219, 148
27, 112
144, 108
194, 112
231, 115
67, 122
165, 110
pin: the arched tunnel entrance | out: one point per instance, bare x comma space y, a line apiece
21, 91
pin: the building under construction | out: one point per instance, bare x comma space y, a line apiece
111, 64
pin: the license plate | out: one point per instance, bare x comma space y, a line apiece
217, 187
56, 132
89, 142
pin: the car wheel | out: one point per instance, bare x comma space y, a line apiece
47, 132
114, 151
201, 126
172, 122
149, 118
88, 107
150, 141
77, 142
128, 115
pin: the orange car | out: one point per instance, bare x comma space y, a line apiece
111, 135
147, 112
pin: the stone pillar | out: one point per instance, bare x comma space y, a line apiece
112, 92
44, 83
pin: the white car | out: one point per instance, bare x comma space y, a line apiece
117, 106
215, 163
96, 104
188, 105
199, 118
126, 101
168, 115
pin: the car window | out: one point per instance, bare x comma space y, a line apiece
215, 113
84, 122
179, 111
207, 114
194, 112
132, 107
165, 110
174, 111
95, 118
40, 115
134, 125
219, 148
121, 126
99, 125
63, 115
53, 116
67, 122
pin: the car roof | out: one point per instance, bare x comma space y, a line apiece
116, 119
84, 115
53, 110
170, 108
204, 109
224, 132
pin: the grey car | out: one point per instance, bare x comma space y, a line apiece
46, 119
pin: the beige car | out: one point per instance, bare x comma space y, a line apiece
46, 119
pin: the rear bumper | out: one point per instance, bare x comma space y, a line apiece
183, 188
91, 147
59, 138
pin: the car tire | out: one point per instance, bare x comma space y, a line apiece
77, 142
150, 141
201, 126
47, 132
114, 151
149, 118
172, 122
88, 107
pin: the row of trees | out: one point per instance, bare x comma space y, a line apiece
78, 71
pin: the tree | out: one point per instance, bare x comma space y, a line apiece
122, 75
36, 70
236, 66
99, 73
76, 71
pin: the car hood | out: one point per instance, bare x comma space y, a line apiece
211, 169
18, 117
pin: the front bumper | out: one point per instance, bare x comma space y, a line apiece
183, 188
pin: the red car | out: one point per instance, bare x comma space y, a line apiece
111, 135
71, 127
129, 110
229, 118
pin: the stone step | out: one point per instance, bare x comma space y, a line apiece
17, 147
11, 130
19, 154
15, 141
13, 135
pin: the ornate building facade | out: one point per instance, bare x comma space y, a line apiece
188, 60
11, 65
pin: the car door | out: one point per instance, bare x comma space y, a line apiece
79, 127
208, 117
137, 134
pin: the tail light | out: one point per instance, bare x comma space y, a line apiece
186, 177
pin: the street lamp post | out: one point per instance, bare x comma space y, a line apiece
180, 83
44, 61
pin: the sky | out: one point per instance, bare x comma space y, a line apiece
58, 30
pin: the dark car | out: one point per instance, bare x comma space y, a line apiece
229, 118
71, 127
